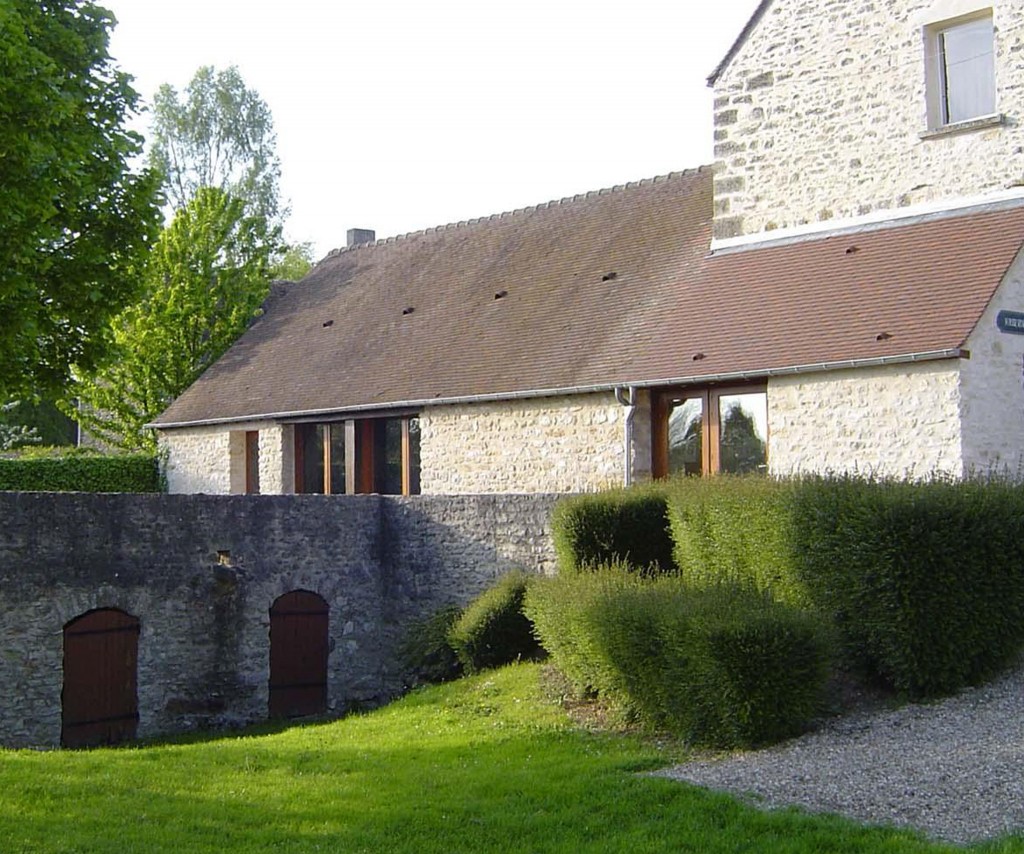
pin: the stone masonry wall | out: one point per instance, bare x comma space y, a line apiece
558, 444
820, 115
201, 572
198, 460
992, 386
896, 421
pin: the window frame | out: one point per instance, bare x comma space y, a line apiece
711, 427
937, 74
252, 462
363, 447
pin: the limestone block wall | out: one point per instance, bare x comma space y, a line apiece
896, 421
822, 114
201, 572
277, 458
198, 460
556, 444
992, 386
211, 459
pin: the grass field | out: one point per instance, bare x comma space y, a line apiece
486, 764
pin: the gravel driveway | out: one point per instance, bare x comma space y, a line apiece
953, 769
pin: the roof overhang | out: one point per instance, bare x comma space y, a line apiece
497, 397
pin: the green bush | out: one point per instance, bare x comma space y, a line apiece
78, 471
737, 529
493, 630
721, 665
562, 608
425, 652
923, 580
626, 525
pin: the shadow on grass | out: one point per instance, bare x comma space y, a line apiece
481, 766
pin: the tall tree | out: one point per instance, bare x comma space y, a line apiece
220, 134
206, 280
294, 262
73, 217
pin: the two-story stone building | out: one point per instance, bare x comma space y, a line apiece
844, 289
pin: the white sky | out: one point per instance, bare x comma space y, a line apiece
397, 115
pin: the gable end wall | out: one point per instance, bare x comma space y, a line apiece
819, 116
992, 386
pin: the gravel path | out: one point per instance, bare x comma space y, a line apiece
954, 769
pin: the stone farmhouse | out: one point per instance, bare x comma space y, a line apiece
843, 289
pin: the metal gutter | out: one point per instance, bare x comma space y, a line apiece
497, 397
883, 220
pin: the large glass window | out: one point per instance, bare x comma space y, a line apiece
707, 431
685, 435
384, 456
309, 458
336, 433
743, 433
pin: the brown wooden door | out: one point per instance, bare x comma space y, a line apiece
298, 655
99, 703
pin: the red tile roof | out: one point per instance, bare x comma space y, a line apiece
611, 288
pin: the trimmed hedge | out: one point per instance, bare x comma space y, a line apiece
614, 527
720, 666
493, 630
81, 472
425, 651
923, 580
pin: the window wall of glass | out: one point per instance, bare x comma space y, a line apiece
710, 431
363, 455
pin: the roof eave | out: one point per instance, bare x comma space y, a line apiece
496, 397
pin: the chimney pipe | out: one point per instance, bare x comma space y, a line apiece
356, 236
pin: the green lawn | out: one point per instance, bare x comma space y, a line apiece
485, 764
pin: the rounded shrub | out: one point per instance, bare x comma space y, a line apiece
493, 630
425, 652
721, 665
622, 526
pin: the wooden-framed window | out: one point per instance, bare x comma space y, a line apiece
699, 431
360, 455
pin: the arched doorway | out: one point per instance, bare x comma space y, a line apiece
99, 702
298, 655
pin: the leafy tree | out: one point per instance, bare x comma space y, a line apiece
206, 280
221, 134
41, 419
72, 216
13, 435
294, 262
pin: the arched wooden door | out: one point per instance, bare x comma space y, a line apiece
99, 703
298, 655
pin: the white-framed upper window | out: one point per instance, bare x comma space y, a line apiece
961, 74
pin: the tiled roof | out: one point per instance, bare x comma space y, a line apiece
615, 287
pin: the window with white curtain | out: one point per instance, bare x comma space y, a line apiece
961, 71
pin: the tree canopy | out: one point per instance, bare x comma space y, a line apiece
73, 217
220, 134
206, 280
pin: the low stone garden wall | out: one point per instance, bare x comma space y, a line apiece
201, 572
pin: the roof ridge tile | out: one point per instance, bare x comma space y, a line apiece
565, 200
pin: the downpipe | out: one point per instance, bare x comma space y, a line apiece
627, 397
